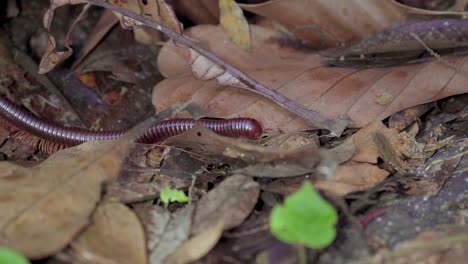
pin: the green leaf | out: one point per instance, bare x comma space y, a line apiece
8, 256
168, 196
305, 218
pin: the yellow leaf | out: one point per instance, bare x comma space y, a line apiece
233, 21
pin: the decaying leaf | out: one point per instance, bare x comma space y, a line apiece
157, 10
166, 232
352, 176
63, 190
233, 21
115, 235
53, 201
297, 74
247, 159
197, 246
361, 171
230, 202
52, 57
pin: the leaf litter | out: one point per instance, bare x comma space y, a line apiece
396, 179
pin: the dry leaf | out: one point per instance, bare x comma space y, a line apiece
352, 176
166, 232
334, 92
361, 172
247, 159
230, 202
328, 22
52, 57
53, 201
60, 193
197, 246
233, 21
114, 236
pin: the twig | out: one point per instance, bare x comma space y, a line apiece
438, 57
335, 127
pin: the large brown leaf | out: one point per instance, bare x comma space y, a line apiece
53, 201
43, 208
114, 228
364, 95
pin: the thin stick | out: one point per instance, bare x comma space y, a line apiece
438, 57
335, 127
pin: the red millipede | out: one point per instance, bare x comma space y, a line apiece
52, 137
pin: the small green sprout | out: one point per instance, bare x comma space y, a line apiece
304, 219
8, 256
168, 196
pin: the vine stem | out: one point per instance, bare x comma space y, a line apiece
335, 127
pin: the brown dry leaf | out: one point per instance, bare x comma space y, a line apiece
245, 158
53, 201
233, 21
361, 172
52, 57
60, 193
298, 74
197, 246
114, 236
328, 22
230, 202
352, 176
166, 232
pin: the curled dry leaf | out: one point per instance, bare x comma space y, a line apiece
114, 236
245, 158
197, 246
311, 20
157, 10
334, 92
53, 201
230, 202
52, 57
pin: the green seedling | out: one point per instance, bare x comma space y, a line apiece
8, 256
169, 196
304, 219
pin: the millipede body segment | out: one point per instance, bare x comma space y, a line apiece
15, 117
